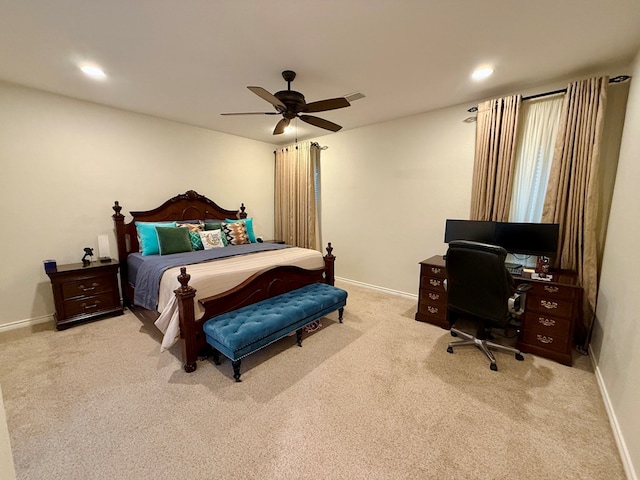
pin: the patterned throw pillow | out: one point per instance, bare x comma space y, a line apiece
195, 227
211, 239
235, 233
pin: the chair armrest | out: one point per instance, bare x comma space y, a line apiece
518, 299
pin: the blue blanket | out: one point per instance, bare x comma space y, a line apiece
149, 272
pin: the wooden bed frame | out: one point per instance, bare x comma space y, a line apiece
262, 285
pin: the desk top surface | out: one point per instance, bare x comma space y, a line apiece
559, 278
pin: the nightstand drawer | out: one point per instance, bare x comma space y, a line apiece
90, 305
87, 286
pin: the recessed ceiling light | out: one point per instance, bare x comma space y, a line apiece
93, 72
482, 73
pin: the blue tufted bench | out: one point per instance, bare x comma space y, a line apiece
241, 332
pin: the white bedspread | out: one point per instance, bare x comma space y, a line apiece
215, 277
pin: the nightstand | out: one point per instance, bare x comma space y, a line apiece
82, 293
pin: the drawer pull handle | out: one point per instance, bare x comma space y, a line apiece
432, 310
549, 305
551, 289
88, 289
544, 339
435, 283
435, 270
434, 296
547, 322
89, 307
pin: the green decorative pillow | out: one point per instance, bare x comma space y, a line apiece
212, 224
235, 233
148, 237
173, 240
249, 224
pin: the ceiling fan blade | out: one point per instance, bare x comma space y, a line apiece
282, 124
328, 104
252, 113
320, 122
272, 99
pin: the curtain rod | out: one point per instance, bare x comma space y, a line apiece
618, 79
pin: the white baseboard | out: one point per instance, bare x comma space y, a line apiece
28, 322
380, 289
615, 426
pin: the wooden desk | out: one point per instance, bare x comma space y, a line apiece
551, 312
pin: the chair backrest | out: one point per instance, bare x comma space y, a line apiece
478, 283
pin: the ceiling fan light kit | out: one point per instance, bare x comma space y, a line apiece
291, 104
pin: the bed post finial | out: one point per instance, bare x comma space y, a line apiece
116, 208
242, 213
329, 259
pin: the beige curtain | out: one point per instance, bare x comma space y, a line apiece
572, 193
496, 134
296, 215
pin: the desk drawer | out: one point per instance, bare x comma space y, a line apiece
433, 283
433, 271
549, 306
539, 323
553, 291
547, 341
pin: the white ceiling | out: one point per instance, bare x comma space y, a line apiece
190, 60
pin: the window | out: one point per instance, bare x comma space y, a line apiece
534, 154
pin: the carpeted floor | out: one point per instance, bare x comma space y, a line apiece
377, 397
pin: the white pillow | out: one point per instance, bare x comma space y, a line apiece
211, 239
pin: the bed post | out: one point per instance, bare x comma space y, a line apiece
185, 295
329, 260
118, 220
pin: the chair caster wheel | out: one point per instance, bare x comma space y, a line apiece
494, 367
454, 334
450, 349
519, 357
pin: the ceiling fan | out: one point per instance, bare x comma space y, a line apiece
291, 104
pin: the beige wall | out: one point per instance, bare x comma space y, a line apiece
616, 338
64, 162
387, 190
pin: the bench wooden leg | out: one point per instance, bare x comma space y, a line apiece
340, 312
216, 356
299, 337
236, 369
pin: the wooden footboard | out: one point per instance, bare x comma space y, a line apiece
260, 286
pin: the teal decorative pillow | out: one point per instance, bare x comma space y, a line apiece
194, 227
236, 233
196, 241
148, 237
173, 240
249, 224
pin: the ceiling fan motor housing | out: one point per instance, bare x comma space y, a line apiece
293, 100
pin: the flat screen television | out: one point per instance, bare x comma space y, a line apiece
528, 238
472, 230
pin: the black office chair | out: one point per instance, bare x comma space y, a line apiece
480, 288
